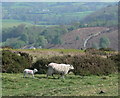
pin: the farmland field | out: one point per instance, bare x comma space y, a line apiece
10, 23
16, 85
6, 23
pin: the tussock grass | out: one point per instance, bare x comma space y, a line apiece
48, 53
16, 85
58, 50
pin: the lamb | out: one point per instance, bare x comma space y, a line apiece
28, 71
61, 69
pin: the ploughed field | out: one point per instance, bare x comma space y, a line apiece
72, 85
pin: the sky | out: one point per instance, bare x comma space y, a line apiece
59, 0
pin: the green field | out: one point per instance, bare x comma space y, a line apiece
6, 23
78, 14
16, 85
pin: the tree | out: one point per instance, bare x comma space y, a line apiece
24, 37
41, 41
57, 40
104, 42
95, 45
77, 38
14, 42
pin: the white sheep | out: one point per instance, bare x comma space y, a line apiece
29, 72
61, 69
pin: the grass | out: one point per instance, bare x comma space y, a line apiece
48, 53
6, 23
16, 85
58, 50
79, 14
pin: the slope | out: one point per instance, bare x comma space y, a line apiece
76, 39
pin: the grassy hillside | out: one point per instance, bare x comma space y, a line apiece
16, 85
111, 35
6, 23
73, 85
107, 16
76, 38
47, 53
52, 13
65, 22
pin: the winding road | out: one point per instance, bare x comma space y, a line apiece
93, 35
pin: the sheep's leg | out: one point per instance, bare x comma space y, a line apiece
53, 76
33, 75
24, 74
29, 75
47, 76
59, 76
49, 72
62, 75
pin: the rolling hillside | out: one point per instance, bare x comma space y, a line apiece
101, 24
75, 39
52, 13
112, 35
81, 27
107, 16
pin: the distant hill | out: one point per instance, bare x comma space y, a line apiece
75, 39
49, 13
64, 25
107, 16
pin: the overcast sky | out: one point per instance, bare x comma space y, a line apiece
60, 0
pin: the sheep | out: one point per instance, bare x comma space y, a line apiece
28, 71
61, 69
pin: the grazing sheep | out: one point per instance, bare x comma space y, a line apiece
28, 71
61, 69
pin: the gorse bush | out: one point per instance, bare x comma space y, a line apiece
93, 51
116, 59
40, 65
87, 65
13, 63
84, 65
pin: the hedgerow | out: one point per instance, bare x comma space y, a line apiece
13, 63
84, 65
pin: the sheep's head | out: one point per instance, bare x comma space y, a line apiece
71, 67
35, 70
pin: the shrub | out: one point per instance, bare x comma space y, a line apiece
87, 65
84, 65
104, 42
116, 59
13, 63
40, 65
93, 51
106, 49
